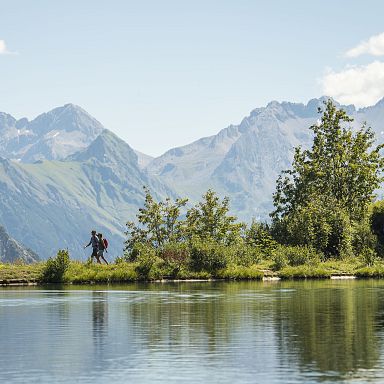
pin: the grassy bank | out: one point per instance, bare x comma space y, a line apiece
86, 273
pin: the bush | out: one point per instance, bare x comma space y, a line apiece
145, 258
135, 250
56, 267
259, 236
120, 260
208, 255
377, 224
294, 256
321, 225
279, 258
302, 255
175, 255
368, 256
363, 237
244, 255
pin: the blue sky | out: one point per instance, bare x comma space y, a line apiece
164, 73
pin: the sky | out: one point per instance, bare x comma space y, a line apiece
162, 74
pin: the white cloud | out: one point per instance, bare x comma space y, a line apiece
4, 50
373, 46
359, 85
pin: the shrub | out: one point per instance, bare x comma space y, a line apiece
259, 235
301, 255
135, 250
244, 255
279, 258
363, 236
208, 255
322, 225
56, 267
294, 256
377, 224
175, 255
120, 260
368, 256
145, 257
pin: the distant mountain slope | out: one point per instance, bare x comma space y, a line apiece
188, 169
55, 204
143, 159
11, 250
243, 161
50, 136
87, 178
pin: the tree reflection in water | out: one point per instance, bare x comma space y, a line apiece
329, 327
321, 326
204, 316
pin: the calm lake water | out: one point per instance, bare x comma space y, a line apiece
241, 332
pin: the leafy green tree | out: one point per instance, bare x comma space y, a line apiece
324, 227
341, 164
338, 174
376, 223
209, 219
158, 223
259, 235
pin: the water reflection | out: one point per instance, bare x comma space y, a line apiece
99, 315
184, 316
222, 332
330, 328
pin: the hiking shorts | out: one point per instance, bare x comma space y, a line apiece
94, 252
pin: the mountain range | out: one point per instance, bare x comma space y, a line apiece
54, 202
243, 161
63, 173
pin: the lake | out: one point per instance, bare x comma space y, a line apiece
226, 332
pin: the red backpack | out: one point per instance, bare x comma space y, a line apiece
105, 243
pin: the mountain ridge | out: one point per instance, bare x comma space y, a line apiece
53, 135
72, 189
246, 168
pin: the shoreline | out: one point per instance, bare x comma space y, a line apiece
26, 283
77, 272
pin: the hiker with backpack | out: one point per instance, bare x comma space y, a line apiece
95, 246
103, 245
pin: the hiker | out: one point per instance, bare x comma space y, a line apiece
95, 246
102, 247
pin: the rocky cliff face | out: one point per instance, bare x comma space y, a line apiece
11, 250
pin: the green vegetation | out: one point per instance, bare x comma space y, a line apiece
78, 272
325, 223
323, 201
324, 211
55, 267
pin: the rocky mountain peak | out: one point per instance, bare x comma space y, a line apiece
108, 147
69, 118
50, 136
